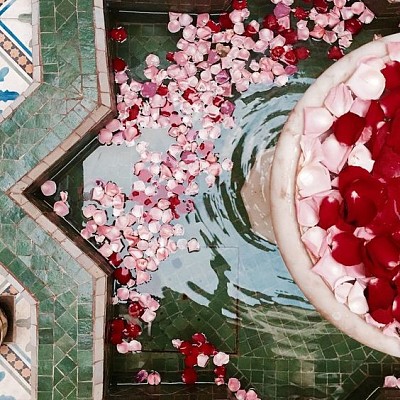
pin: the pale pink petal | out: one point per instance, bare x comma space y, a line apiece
64, 196
220, 358
307, 211
152, 60
251, 395
48, 188
148, 316
86, 234
202, 360
241, 394
193, 245
123, 293
315, 240
339, 100
97, 193
335, 154
142, 277
174, 26
105, 136
390, 382
134, 346
312, 179
367, 82
360, 107
89, 210
342, 291
356, 300
154, 378
219, 381
61, 208
105, 250
329, 268
317, 120
177, 343
123, 348
360, 156
367, 16
233, 384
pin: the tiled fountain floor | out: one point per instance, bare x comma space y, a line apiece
16, 67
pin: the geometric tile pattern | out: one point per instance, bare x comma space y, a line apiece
16, 68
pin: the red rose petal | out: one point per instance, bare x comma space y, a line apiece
379, 294
348, 128
220, 371
185, 347
208, 349
135, 309
199, 338
239, 4
213, 26
118, 64
382, 250
300, 13
328, 212
390, 102
270, 22
374, 114
393, 139
117, 325
122, 275
382, 316
116, 338
353, 25
290, 36
132, 330
346, 249
225, 21
302, 52
377, 140
321, 6
391, 72
290, 57
189, 376
349, 175
387, 165
359, 210
335, 53
191, 360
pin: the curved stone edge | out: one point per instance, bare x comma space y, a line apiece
104, 110
284, 219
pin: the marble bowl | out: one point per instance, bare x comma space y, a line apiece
283, 211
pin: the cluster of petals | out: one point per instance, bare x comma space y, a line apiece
335, 22
198, 352
61, 207
349, 189
391, 382
151, 378
123, 334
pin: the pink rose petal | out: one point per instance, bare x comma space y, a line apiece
233, 384
48, 188
221, 358
61, 208
367, 83
154, 378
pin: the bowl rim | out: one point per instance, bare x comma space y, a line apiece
283, 210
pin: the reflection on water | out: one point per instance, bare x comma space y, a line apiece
255, 270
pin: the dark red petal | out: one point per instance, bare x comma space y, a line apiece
302, 52
300, 13
132, 330
290, 36
379, 294
328, 212
116, 338
349, 175
239, 4
208, 349
374, 114
353, 25
122, 275
377, 139
383, 316
118, 64
199, 338
391, 72
346, 248
118, 325
270, 22
189, 376
214, 26
220, 371
135, 309
225, 21
335, 53
393, 139
348, 128
290, 57
387, 165
359, 210
383, 250
115, 259
185, 347
277, 52
191, 360
321, 6
390, 102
